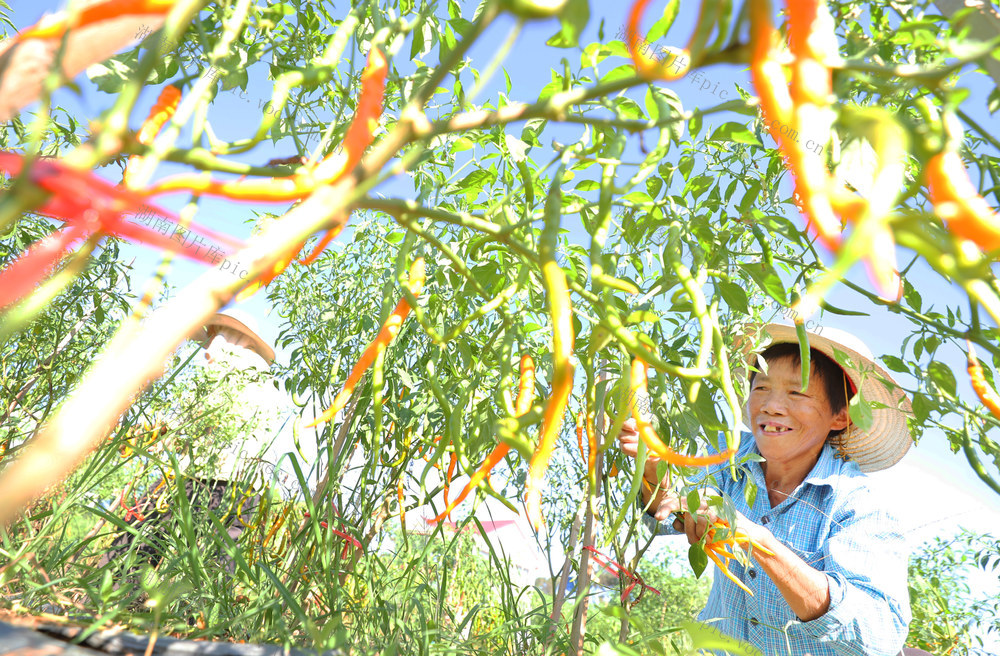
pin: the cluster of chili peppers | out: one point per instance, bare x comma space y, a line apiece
386, 333
141, 437
91, 207
628, 579
525, 397
723, 549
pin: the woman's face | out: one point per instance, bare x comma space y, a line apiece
789, 424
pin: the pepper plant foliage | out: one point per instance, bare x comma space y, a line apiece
669, 223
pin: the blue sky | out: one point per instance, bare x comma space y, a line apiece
935, 484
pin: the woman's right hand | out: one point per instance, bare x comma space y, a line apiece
628, 440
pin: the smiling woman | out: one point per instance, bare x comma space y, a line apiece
829, 569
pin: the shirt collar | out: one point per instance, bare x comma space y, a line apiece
826, 471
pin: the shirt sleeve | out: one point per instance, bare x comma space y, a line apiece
866, 566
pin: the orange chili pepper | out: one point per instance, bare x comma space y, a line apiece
525, 395
808, 96
648, 434
591, 444
386, 334
987, 395
161, 112
95, 13
359, 135
956, 201
649, 67
557, 295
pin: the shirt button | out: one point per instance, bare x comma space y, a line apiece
754, 621
765, 520
752, 573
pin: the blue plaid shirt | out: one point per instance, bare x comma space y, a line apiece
835, 523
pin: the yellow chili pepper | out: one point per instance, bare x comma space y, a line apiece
561, 310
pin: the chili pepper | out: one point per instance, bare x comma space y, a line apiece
591, 444
557, 295
162, 111
649, 436
711, 553
402, 502
525, 395
808, 96
652, 69
386, 334
275, 190
93, 14
134, 510
956, 201
447, 479
91, 206
987, 395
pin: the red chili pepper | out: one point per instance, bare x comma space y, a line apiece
388, 331
161, 112
94, 13
90, 205
133, 511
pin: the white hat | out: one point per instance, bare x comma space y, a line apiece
242, 322
888, 439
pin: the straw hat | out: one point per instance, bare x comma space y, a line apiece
242, 322
888, 439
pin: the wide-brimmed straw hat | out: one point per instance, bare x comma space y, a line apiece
887, 440
242, 322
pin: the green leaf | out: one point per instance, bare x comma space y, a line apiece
895, 364
663, 25
693, 500
573, 20
942, 376
698, 559
708, 637
735, 132
767, 279
860, 412
734, 296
